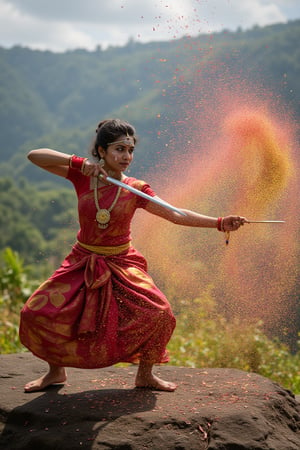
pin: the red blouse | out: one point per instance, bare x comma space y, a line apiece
118, 231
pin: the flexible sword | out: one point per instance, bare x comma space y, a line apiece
142, 194
265, 221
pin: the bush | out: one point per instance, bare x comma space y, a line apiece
204, 338
15, 288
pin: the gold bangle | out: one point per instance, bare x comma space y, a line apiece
83, 165
70, 161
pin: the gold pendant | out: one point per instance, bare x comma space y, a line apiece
103, 218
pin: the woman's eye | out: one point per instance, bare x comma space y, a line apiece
121, 149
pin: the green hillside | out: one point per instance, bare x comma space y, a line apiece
57, 100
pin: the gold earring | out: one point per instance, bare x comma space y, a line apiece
101, 162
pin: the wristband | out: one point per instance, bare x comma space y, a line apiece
76, 162
220, 224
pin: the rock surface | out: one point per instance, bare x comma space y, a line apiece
215, 409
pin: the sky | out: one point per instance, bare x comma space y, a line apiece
61, 25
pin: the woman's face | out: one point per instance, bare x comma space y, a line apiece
118, 155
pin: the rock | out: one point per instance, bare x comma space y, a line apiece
215, 409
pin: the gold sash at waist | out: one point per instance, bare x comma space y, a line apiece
106, 250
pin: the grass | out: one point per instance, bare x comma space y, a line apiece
204, 338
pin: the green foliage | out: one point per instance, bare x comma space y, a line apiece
15, 288
22, 110
205, 338
38, 224
56, 100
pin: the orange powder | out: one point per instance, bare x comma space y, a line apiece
245, 168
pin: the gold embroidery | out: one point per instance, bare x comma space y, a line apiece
138, 277
37, 302
56, 293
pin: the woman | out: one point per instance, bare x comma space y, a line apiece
101, 306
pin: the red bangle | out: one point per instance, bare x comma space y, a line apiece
76, 162
220, 223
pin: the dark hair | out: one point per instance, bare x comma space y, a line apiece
108, 131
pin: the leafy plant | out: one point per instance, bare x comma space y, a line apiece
15, 288
204, 338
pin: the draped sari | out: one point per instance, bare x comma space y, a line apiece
100, 306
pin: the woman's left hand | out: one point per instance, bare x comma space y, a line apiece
233, 223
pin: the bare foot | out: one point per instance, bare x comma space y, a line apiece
153, 382
55, 375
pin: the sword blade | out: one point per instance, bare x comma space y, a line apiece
265, 221
142, 194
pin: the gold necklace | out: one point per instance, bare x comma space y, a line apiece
103, 215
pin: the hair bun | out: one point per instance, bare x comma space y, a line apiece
101, 124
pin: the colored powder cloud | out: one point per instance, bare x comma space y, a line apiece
236, 156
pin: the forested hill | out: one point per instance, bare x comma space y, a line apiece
57, 99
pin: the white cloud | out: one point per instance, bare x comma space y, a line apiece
18, 28
251, 12
69, 24
105, 12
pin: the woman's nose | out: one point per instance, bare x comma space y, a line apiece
126, 155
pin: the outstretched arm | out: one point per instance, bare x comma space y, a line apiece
193, 219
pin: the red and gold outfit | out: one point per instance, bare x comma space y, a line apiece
101, 306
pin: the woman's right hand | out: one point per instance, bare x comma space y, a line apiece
93, 169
